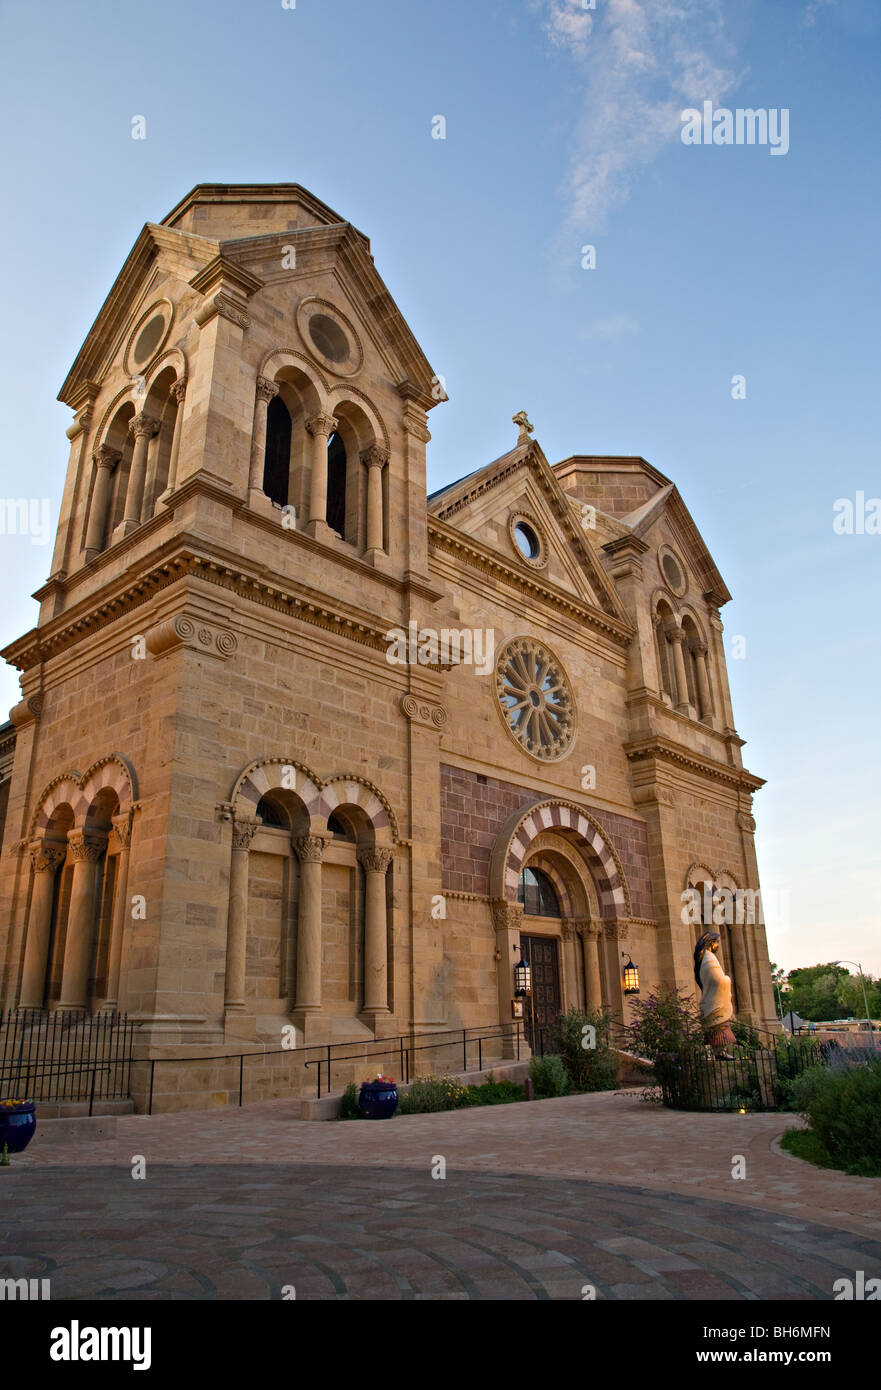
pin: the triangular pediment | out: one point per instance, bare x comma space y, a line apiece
521, 485
342, 253
666, 520
158, 252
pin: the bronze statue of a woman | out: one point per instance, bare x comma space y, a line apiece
715, 987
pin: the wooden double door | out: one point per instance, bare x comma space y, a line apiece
543, 955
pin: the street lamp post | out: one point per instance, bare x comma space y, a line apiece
865, 995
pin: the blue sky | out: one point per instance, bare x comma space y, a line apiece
562, 130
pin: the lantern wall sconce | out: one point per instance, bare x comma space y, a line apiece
631, 976
522, 976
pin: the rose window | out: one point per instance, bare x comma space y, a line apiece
535, 698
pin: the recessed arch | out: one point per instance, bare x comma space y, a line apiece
524, 826
79, 790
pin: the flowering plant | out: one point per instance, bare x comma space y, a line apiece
380, 1081
21, 1101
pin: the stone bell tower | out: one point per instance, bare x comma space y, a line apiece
243, 518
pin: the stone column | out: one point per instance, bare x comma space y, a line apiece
375, 863
308, 849
45, 861
593, 985
741, 973
569, 980
682, 702
375, 460
104, 459
85, 851
143, 427
266, 391
508, 920
237, 920
321, 427
122, 829
179, 391
703, 682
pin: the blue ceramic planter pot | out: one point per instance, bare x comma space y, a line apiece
378, 1102
17, 1125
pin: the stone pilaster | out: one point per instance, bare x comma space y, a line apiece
86, 852
46, 859
375, 863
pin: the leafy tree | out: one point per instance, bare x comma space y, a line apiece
813, 991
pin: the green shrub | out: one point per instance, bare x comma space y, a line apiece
843, 1110
496, 1093
349, 1109
431, 1093
745, 1035
664, 1026
548, 1076
587, 1068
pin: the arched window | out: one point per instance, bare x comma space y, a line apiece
272, 812
340, 828
336, 485
664, 647
537, 894
277, 458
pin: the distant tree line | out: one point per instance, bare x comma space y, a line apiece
819, 993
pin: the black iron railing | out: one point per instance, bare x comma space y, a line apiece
463, 1044
65, 1055
754, 1079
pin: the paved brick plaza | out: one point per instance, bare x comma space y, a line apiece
538, 1201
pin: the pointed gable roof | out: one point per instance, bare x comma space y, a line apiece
456, 497
237, 223
632, 477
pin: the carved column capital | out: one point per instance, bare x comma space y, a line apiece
308, 848
84, 849
375, 457
143, 424
588, 930
179, 389
243, 832
266, 389
507, 916
617, 930
46, 858
376, 860
322, 424
105, 456
122, 829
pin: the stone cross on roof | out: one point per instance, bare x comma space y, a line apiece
526, 428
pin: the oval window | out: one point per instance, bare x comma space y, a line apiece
149, 339
527, 541
672, 573
329, 338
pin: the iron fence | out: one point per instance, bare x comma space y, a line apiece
65, 1055
754, 1079
465, 1048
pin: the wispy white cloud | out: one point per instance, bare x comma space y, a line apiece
813, 9
611, 328
643, 62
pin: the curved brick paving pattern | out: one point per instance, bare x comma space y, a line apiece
364, 1233
538, 1200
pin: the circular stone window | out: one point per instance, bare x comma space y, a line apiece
672, 571
535, 699
148, 335
149, 339
328, 337
527, 540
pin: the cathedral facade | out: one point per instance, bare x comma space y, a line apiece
301, 746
